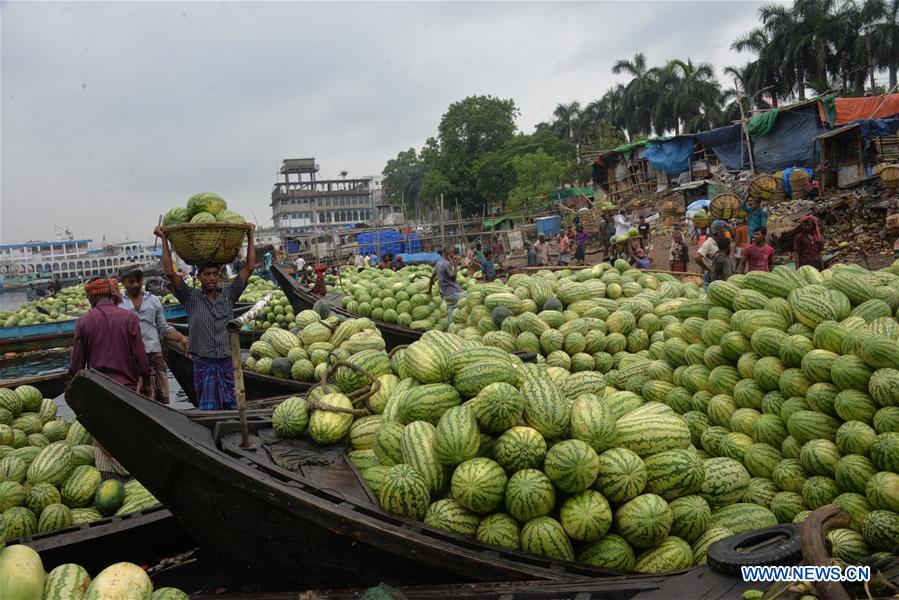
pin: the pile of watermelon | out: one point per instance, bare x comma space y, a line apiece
22, 576
658, 420
48, 480
312, 344
69, 303
277, 313
205, 207
398, 297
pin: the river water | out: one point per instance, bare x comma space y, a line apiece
12, 300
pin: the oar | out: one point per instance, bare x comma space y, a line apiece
240, 393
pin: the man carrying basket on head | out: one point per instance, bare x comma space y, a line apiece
208, 311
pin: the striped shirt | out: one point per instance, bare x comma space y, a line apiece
153, 326
207, 320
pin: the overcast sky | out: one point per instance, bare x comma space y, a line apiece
112, 113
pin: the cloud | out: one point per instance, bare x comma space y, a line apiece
114, 112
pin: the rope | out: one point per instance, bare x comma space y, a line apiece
396, 349
356, 397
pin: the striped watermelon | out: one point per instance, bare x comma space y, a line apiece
855, 405
849, 372
119, 581
822, 397
404, 492
748, 393
709, 537
40, 496
328, 427
622, 475
290, 418
761, 491
387, 443
769, 429
457, 438
53, 464
794, 349
884, 387
726, 481
593, 422
529, 494
853, 472
417, 447
786, 505
363, 431
848, 545
881, 530
789, 475
673, 554
449, 515
479, 485
78, 489
857, 506
691, 517
546, 537
66, 581
12, 494
743, 420
427, 362
723, 379
761, 459
612, 552
880, 352
520, 448
571, 465
819, 457
499, 529
586, 516
818, 491
644, 521
743, 516
887, 419
807, 425
426, 402
645, 435
545, 409
674, 473
53, 517
882, 491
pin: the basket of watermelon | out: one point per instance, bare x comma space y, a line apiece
205, 231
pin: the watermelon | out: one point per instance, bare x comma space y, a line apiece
457, 438
857, 506
21, 573
611, 551
881, 530
760, 459
674, 473
885, 451
479, 485
572, 465
725, 482
847, 545
789, 475
120, 581
40, 496
819, 457
742, 516
449, 515
404, 492
66, 581
709, 537
761, 491
882, 491
545, 409
328, 427
586, 516
53, 464
786, 505
645, 435
818, 491
499, 529
546, 537
53, 517
691, 517
644, 521
855, 437
807, 425
529, 494
78, 489
520, 448
621, 475
673, 554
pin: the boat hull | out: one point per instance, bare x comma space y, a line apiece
292, 531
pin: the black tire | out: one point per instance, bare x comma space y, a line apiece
777, 545
528, 357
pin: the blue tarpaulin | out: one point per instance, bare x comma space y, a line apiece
419, 258
670, 156
700, 204
877, 128
790, 142
729, 146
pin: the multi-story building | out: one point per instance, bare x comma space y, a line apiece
303, 204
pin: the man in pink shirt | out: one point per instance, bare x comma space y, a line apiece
758, 256
108, 339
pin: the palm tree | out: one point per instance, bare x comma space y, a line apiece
883, 18
639, 94
765, 71
566, 116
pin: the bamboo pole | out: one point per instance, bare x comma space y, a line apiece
240, 392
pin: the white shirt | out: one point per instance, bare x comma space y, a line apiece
707, 251
301, 264
621, 225
358, 260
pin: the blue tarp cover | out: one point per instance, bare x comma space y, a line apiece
791, 142
418, 258
700, 204
729, 146
788, 186
877, 128
670, 156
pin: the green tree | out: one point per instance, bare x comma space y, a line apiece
537, 175
469, 129
403, 177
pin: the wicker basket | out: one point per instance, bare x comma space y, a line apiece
725, 206
207, 243
889, 175
702, 222
798, 181
763, 186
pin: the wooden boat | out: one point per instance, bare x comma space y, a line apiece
247, 337
257, 386
56, 334
291, 529
141, 538
51, 385
301, 299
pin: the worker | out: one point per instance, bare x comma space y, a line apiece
208, 311
320, 289
755, 214
758, 256
808, 242
153, 327
445, 274
488, 271
300, 264
542, 250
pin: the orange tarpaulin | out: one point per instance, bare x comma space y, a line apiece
850, 109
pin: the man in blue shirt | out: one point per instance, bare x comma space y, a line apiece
757, 218
445, 274
153, 329
532, 254
487, 268
267, 262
